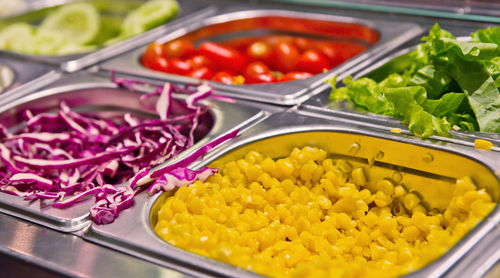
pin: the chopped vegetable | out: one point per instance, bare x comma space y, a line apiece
448, 84
250, 60
482, 144
308, 215
69, 157
79, 27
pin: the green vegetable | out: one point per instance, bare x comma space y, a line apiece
78, 22
80, 27
148, 16
16, 36
480, 88
445, 83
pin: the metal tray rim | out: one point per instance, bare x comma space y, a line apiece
434, 269
296, 91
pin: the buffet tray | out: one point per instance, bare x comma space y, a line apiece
190, 10
380, 36
320, 104
17, 74
95, 93
276, 136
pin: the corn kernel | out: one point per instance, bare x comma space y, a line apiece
358, 176
411, 200
299, 216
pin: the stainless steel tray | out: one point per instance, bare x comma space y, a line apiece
191, 10
19, 74
94, 93
132, 233
321, 104
284, 93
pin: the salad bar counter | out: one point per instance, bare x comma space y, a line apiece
168, 138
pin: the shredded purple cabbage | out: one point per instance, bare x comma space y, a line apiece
68, 157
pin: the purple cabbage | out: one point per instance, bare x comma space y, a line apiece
68, 157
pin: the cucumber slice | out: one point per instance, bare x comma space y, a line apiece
149, 15
46, 43
78, 22
16, 37
110, 28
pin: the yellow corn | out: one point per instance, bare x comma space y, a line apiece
307, 215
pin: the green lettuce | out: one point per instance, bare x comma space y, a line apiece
480, 89
444, 83
365, 93
491, 35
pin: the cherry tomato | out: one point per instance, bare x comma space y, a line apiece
255, 68
223, 77
295, 75
302, 43
159, 64
180, 48
285, 56
200, 61
332, 52
225, 57
313, 61
179, 66
202, 73
239, 44
260, 50
153, 51
261, 78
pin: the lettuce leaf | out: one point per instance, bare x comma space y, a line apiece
463, 121
433, 80
491, 35
442, 43
480, 89
408, 103
365, 93
443, 83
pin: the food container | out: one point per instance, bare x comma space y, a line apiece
401, 155
34, 11
236, 22
93, 94
16, 75
396, 61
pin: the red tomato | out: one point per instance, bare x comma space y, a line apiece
313, 61
255, 68
259, 50
239, 44
285, 56
295, 75
202, 73
225, 57
180, 48
200, 61
223, 77
333, 53
261, 78
302, 43
179, 66
159, 64
153, 51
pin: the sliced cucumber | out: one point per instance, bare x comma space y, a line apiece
78, 22
46, 43
110, 28
149, 15
16, 37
